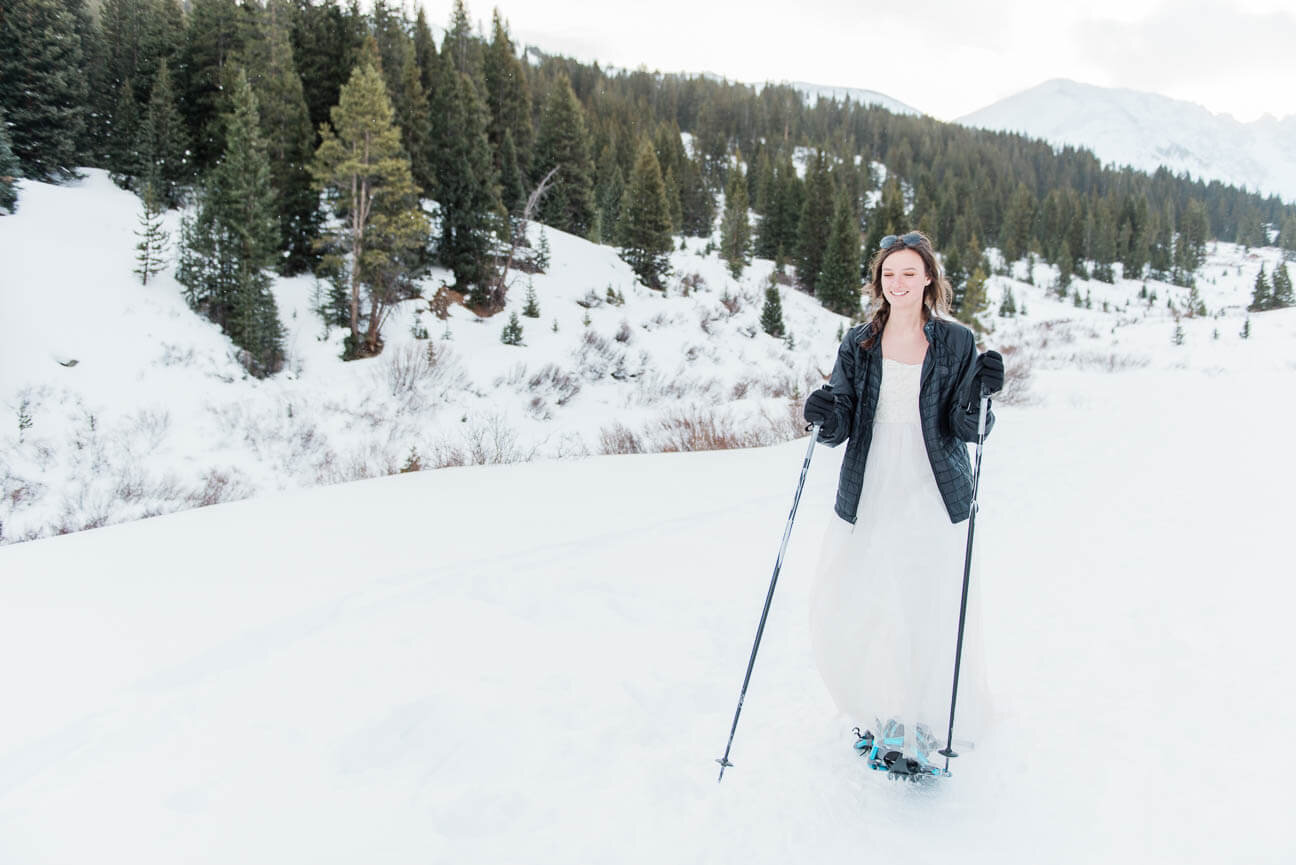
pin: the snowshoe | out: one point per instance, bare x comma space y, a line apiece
883, 755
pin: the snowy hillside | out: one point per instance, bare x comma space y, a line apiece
815, 92
538, 663
123, 403
134, 405
1145, 130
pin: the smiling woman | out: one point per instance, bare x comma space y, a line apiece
905, 392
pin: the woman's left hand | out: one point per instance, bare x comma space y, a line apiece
989, 371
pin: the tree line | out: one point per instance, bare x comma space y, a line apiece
309, 136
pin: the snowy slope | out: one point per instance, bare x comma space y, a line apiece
538, 663
815, 92
1146, 130
156, 414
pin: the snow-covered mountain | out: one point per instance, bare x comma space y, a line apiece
1146, 130
815, 92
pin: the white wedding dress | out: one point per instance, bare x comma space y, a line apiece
885, 604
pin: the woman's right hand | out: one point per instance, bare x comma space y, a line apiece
819, 407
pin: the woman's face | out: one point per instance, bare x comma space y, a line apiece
904, 279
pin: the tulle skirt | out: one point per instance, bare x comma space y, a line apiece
885, 604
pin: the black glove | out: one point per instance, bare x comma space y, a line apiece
987, 374
819, 408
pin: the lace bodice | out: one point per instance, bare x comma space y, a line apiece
898, 399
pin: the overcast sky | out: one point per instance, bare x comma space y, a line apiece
944, 57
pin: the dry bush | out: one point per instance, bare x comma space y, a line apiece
691, 282
623, 333
409, 365
619, 439
733, 303
1106, 361
217, 486
152, 426
1018, 372
706, 431
591, 300
553, 379
489, 441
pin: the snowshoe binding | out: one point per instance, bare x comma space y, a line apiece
883, 754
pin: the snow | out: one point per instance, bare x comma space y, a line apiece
539, 661
1146, 130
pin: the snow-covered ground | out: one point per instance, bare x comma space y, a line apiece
538, 662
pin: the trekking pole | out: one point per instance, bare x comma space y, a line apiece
948, 750
760, 629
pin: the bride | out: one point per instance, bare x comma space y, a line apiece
904, 396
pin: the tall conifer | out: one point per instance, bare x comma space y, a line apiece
509, 99
838, 285
361, 165
644, 225
563, 143
42, 86
815, 222
290, 140
466, 185
162, 142
228, 246
735, 229
8, 170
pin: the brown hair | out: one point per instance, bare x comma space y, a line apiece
936, 296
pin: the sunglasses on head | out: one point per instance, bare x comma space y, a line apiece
911, 240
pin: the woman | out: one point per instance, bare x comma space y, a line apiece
904, 394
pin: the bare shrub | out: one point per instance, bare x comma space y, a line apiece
218, 486
1107, 361
152, 426
623, 333
408, 365
619, 439
691, 282
1018, 371
733, 303
706, 431
554, 380
489, 441
591, 300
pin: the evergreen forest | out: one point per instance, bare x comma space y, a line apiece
307, 136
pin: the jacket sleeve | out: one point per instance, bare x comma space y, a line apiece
842, 383
965, 404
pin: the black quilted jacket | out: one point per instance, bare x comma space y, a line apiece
947, 408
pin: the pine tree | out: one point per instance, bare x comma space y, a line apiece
975, 300
697, 204
228, 246
326, 40
735, 230
1178, 338
1014, 234
1190, 243
462, 47
8, 170
1282, 288
815, 222
564, 143
290, 139
153, 238
513, 194
1008, 306
838, 285
1261, 297
162, 142
361, 166
122, 157
644, 224
508, 98
512, 333
532, 307
673, 203
772, 312
216, 34
467, 189
43, 90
